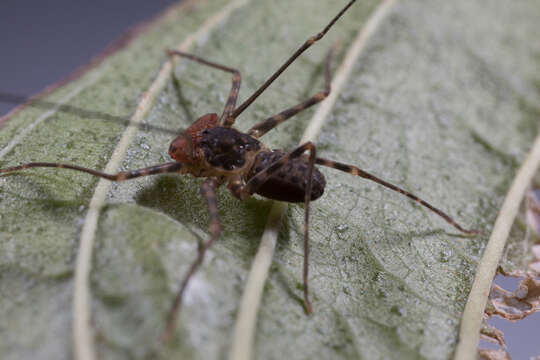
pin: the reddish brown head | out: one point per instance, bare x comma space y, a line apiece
182, 148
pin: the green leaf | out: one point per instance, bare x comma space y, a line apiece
442, 101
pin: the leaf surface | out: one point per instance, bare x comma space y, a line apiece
443, 102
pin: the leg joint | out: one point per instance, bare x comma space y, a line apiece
314, 38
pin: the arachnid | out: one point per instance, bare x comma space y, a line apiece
211, 148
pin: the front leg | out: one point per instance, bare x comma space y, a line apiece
226, 118
266, 125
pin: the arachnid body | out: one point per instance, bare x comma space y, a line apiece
211, 148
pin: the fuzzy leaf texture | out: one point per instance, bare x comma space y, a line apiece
443, 101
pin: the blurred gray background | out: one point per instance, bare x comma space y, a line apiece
44, 42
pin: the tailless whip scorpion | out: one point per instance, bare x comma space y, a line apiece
211, 148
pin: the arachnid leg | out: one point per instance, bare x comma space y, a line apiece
208, 191
175, 167
289, 61
244, 191
225, 120
353, 170
266, 125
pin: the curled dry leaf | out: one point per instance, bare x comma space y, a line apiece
515, 305
493, 355
492, 334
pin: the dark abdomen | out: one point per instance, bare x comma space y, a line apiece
290, 181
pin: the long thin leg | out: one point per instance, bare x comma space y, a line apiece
353, 170
244, 191
208, 191
121, 176
266, 125
297, 53
225, 119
